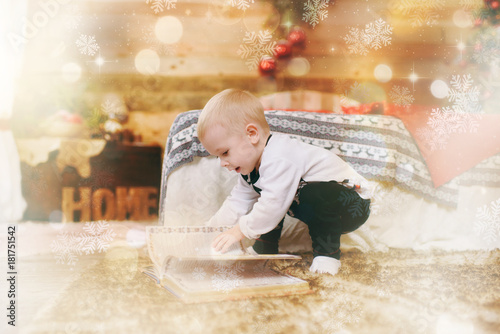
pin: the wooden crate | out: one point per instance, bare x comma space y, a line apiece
124, 184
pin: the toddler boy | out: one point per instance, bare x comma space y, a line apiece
279, 175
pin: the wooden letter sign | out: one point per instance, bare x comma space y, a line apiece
134, 203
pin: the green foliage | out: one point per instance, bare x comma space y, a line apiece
93, 119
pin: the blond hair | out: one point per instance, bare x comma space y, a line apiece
232, 109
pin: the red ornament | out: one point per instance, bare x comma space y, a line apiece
283, 49
297, 36
494, 4
267, 65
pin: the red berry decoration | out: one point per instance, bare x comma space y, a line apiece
267, 65
494, 4
283, 49
297, 37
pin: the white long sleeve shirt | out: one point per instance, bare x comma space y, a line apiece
284, 163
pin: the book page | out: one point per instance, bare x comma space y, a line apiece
194, 242
185, 242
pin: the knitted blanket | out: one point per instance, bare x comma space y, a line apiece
379, 147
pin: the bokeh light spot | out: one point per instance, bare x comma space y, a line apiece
147, 62
298, 66
168, 29
382, 73
462, 19
439, 89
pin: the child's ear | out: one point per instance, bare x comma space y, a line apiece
252, 131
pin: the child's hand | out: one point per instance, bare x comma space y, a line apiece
224, 240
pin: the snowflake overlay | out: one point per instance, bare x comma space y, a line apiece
377, 34
437, 132
66, 248
227, 276
464, 96
199, 273
356, 40
487, 48
374, 36
113, 108
355, 207
421, 12
401, 96
160, 5
445, 121
314, 11
96, 238
461, 117
241, 4
488, 222
387, 201
471, 4
87, 45
260, 270
358, 92
256, 46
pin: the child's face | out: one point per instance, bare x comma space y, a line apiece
238, 152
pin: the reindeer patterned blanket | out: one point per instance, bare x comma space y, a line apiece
379, 147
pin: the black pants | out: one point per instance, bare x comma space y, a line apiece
329, 209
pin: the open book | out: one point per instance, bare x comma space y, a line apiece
185, 264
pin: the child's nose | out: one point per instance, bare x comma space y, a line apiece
223, 163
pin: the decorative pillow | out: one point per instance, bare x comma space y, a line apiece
458, 151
